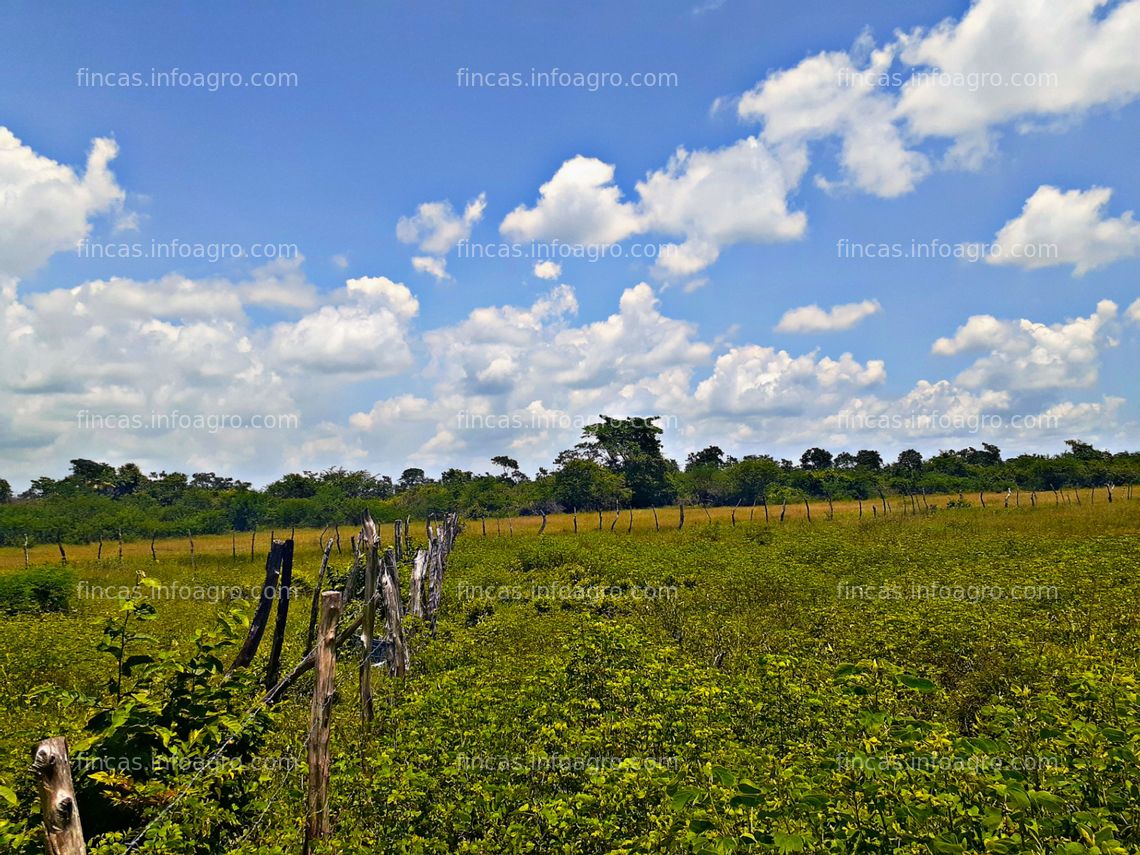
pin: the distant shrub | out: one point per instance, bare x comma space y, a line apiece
43, 589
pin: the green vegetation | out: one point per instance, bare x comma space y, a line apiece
963, 681
42, 589
619, 463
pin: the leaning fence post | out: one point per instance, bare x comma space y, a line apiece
25, 552
62, 829
153, 554
317, 745
59, 543
257, 626
284, 594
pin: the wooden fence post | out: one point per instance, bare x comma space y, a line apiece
252, 542
120, 546
393, 619
371, 565
617, 516
59, 543
681, 524
574, 516
542, 527
264, 605
315, 611
62, 829
25, 552
419, 573
336, 531
193, 562
317, 823
284, 594
153, 554
806, 505
783, 509
99, 554
656, 523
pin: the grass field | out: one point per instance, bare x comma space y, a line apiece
961, 681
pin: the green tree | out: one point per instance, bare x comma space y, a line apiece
815, 459
631, 448
5, 491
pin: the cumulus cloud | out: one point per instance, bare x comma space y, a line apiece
1066, 227
1003, 62
1024, 355
437, 228
45, 206
812, 318
710, 198
547, 269
580, 205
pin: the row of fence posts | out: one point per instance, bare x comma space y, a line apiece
51, 764
909, 499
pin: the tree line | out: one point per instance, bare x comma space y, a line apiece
618, 463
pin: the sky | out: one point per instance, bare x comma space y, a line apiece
261, 238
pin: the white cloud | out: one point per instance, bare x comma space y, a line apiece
547, 269
45, 206
710, 198
1066, 227
437, 228
431, 265
814, 319
828, 95
579, 205
1004, 62
1040, 59
1024, 355
340, 261
1133, 313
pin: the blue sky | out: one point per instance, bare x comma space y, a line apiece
790, 143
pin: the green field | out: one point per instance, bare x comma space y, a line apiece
960, 681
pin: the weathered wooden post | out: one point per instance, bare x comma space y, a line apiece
314, 612
252, 542
370, 545
542, 527
233, 545
574, 516
317, 823
63, 832
120, 546
264, 605
419, 573
982, 497
393, 619
284, 594
617, 516
397, 537
681, 524
483, 519
808, 507
860, 500
629, 528
59, 543
26, 563
193, 563
336, 531
99, 554
783, 509
656, 523
153, 554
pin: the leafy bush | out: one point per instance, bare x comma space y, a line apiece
40, 589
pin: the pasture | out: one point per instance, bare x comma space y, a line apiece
962, 680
